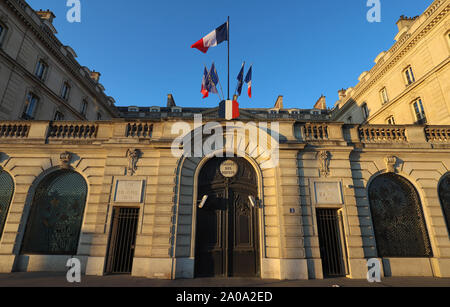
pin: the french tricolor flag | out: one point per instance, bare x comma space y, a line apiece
248, 80
213, 39
229, 109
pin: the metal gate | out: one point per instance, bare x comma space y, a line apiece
123, 240
331, 242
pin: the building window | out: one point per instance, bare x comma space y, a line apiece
41, 70
419, 112
30, 106
6, 194
398, 220
99, 116
409, 76
365, 111
58, 116
384, 96
65, 91
2, 33
390, 120
84, 107
54, 224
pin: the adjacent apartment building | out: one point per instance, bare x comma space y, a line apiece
40, 78
410, 82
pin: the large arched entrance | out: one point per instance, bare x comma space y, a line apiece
227, 239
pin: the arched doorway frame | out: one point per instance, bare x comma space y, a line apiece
260, 196
13, 179
192, 172
446, 218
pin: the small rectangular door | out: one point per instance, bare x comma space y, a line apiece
331, 242
123, 240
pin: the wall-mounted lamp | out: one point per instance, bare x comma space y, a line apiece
203, 201
252, 201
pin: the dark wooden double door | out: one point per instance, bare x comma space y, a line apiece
227, 242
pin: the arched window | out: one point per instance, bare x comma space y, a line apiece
398, 219
56, 215
444, 196
6, 193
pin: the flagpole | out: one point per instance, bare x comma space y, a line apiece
228, 24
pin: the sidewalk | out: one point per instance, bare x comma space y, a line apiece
42, 279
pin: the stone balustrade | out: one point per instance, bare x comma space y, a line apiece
14, 129
137, 131
72, 130
437, 134
382, 134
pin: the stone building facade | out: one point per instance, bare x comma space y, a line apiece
178, 192
410, 82
69, 197
40, 77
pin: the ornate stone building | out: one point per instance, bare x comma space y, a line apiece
410, 83
40, 77
175, 192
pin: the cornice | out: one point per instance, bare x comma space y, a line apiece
54, 46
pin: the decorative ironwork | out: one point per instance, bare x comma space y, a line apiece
6, 193
444, 196
123, 240
398, 218
242, 205
54, 225
330, 241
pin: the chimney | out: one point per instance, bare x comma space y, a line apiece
342, 94
405, 21
279, 103
170, 101
321, 104
46, 15
95, 76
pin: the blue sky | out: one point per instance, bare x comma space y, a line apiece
299, 49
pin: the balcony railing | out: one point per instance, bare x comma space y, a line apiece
437, 134
14, 130
144, 131
381, 134
66, 130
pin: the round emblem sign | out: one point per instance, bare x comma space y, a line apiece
229, 168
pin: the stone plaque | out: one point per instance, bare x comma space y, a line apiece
129, 191
229, 168
328, 193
